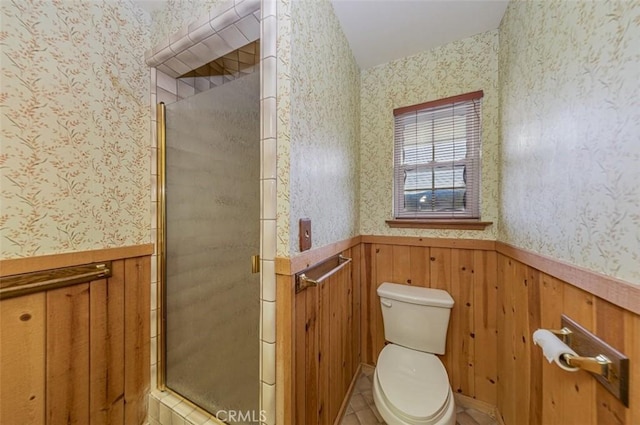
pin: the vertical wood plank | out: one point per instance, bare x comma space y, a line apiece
462, 347
401, 264
98, 352
335, 346
535, 354
300, 357
420, 274
22, 360
506, 331
285, 319
522, 361
632, 348
611, 327
347, 335
383, 272
106, 336
440, 269
356, 254
501, 349
311, 356
324, 354
116, 327
367, 312
67, 382
136, 338
579, 388
485, 310
551, 308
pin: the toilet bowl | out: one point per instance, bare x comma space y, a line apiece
410, 383
412, 388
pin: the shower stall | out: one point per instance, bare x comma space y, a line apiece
210, 172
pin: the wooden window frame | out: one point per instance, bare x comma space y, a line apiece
468, 219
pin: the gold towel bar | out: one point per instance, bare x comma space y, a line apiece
28, 283
324, 269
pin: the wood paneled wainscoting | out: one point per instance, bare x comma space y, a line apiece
77, 354
464, 268
318, 335
502, 294
531, 296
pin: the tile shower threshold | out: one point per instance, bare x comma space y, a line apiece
167, 407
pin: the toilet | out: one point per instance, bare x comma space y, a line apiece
410, 383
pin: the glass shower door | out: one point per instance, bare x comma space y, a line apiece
212, 230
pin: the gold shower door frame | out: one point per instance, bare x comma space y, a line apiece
161, 242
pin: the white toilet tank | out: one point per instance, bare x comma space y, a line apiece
415, 317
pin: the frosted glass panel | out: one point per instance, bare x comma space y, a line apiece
213, 229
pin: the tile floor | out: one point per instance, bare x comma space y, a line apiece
362, 411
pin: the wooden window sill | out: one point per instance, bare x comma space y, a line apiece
458, 224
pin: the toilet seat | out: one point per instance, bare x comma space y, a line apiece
413, 386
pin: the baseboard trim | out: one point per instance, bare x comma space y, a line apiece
481, 406
347, 397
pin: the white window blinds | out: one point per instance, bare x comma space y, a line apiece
437, 158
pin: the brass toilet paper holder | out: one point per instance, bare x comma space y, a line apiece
609, 366
600, 364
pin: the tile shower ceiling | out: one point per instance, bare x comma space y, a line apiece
241, 61
380, 31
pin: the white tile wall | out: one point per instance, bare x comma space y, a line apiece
268, 148
250, 27
268, 359
225, 19
166, 408
246, 7
233, 37
229, 25
269, 403
268, 322
268, 288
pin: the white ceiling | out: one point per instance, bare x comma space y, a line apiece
380, 31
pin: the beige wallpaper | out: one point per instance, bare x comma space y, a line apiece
318, 125
570, 75
74, 163
456, 68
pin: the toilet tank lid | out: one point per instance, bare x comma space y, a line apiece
415, 295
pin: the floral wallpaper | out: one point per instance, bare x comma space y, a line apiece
570, 77
283, 127
75, 162
318, 126
460, 67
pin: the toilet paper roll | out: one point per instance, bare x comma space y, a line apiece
553, 348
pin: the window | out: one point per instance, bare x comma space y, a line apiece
437, 159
